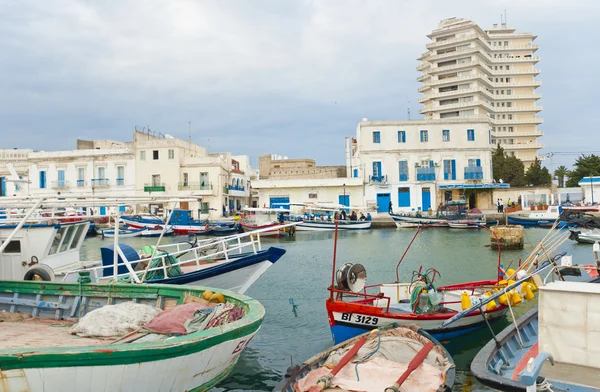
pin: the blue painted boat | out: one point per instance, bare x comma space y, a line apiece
545, 218
513, 361
124, 233
220, 231
237, 272
142, 220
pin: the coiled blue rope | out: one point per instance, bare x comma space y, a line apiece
370, 355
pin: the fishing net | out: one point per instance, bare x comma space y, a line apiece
114, 320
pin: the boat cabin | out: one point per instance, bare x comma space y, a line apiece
39, 246
256, 216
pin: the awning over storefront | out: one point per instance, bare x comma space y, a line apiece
474, 186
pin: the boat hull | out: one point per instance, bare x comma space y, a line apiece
237, 275
174, 376
270, 233
328, 226
348, 319
193, 362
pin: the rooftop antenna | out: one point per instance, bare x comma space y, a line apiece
408, 109
505, 20
190, 131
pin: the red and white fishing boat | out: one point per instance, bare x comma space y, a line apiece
263, 218
353, 307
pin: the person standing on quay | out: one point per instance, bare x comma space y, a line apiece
390, 210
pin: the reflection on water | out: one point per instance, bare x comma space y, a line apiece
304, 273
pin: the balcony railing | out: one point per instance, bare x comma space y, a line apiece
154, 187
99, 182
80, 183
426, 174
403, 177
60, 184
195, 186
120, 181
473, 173
378, 179
235, 188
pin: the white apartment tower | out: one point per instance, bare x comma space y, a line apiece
471, 72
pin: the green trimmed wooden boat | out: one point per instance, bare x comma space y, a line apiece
42, 355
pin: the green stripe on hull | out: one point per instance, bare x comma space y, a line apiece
129, 353
216, 380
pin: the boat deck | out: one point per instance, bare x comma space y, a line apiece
38, 332
572, 374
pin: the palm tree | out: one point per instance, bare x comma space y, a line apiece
560, 173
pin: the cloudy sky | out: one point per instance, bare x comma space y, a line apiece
263, 76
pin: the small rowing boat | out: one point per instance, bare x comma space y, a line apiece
131, 340
123, 233
373, 362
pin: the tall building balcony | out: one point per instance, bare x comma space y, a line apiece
456, 93
473, 173
81, 184
462, 38
426, 174
517, 133
423, 66
504, 60
512, 71
531, 83
517, 109
512, 97
536, 120
120, 182
522, 146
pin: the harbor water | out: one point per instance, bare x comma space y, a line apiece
291, 334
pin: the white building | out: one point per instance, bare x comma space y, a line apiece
179, 167
86, 172
591, 189
149, 165
278, 192
471, 72
416, 165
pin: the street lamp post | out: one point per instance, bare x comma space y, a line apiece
592, 185
344, 187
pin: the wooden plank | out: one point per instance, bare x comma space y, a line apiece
75, 307
13, 308
37, 303
36, 311
59, 311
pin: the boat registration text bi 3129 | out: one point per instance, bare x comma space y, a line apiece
359, 318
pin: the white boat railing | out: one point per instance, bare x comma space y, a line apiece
227, 246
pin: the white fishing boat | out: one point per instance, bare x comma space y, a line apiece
455, 211
52, 253
585, 236
269, 220
464, 225
82, 337
151, 232
123, 233
322, 217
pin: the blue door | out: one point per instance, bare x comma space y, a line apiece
231, 205
2, 186
103, 210
276, 202
426, 199
42, 179
403, 197
383, 202
345, 201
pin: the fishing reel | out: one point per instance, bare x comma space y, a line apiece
351, 277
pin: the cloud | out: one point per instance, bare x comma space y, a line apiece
269, 76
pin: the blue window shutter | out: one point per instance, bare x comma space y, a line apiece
454, 169
478, 163
378, 169
355, 173
431, 164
